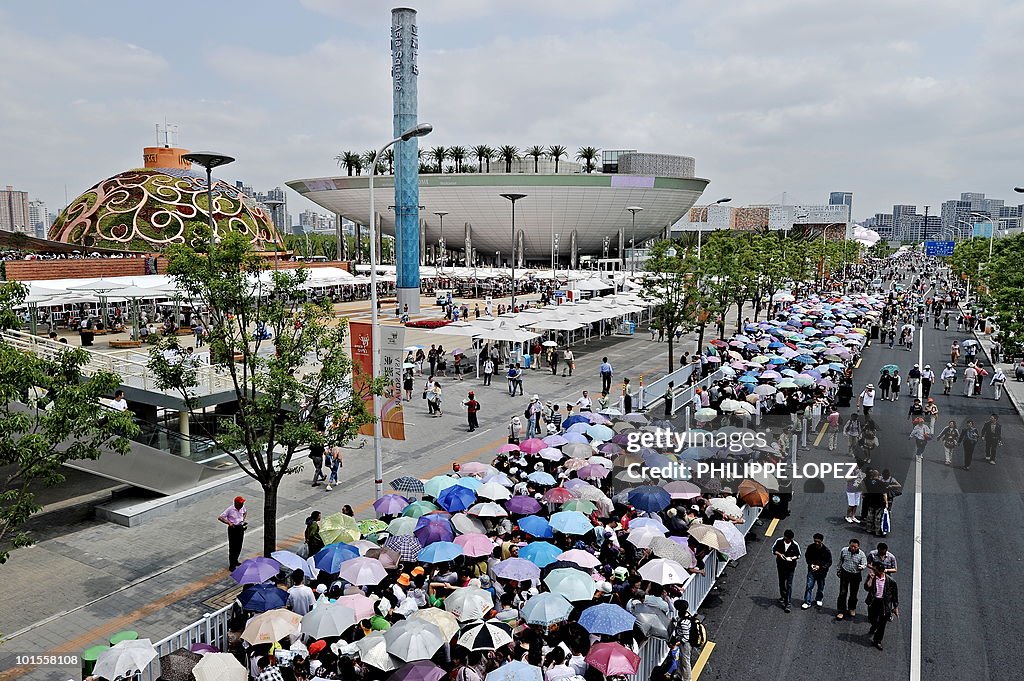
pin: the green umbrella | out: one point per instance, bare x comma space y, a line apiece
371, 526
581, 505
418, 508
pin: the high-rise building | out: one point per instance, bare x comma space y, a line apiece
841, 199
14, 211
311, 221
38, 217
276, 203
972, 207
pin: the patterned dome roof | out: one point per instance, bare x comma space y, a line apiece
148, 209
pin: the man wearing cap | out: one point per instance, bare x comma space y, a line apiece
927, 379
234, 517
472, 407
866, 399
947, 377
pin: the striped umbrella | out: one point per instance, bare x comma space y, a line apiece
485, 635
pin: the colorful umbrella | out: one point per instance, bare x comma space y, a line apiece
606, 618
523, 505
469, 603
517, 569
256, 570
475, 545
362, 571
456, 498
540, 553
330, 557
390, 504
439, 552
271, 626
649, 498
339, 527
371, 526
570, 522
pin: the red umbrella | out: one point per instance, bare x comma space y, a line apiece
558, 495
613, 659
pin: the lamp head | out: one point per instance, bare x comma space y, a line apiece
634, 209
418, 130
513, 197
208, 159
725, 200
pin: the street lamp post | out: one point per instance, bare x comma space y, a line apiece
513, 198
209, 160
418, 130
554, 256
700, 233
440, 242
633, 210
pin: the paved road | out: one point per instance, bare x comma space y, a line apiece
971, 560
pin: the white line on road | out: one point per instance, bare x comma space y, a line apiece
915, 604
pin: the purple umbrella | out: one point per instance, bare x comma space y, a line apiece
522, 505
592, 471
407, 546
433, 528
610, 448
555, 441
517, 569
620, 439
421, 670
256, 570
576, 438
203, 648
390, 504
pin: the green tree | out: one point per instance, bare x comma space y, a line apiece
51, 414
672, 289
589, 157
389, 158
536, 152
457, 154
482, 151
439, 154
283, 396
348, 159
508, 153
555, 152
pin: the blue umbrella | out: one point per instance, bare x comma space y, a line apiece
606, 618
546, 608
747, 379
603, 433
262, 597
542, 478
570, 522
777, 360
649, 498
654, 459
456, 498
573, 420
439, 552
330, 557
535, 526
579, 438
469, 483
774, 344
540, 553
805, 359
580, 427
293, 561
516, 671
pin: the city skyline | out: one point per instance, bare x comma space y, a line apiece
887, 115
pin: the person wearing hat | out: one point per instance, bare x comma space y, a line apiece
948, 377
866, 399
472, 407
532, 415
927, 379
234, 517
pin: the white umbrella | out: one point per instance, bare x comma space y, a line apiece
487, 510
737, 545
125, 658
329, 619
641, 537
411, 640
493, 491
373, 650
219, 667
469, 603
726, 506
663, 571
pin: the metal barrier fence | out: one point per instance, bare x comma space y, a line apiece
212, 629
699, 586
683, 394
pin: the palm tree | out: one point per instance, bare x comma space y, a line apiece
482, 151
488, 156
536, 152
389, 158
347, 159
557, 151
439, 154
589, 156
369, 156
458, 155
508, 153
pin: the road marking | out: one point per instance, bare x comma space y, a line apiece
771, 527
915, 603
702, 660
857, 365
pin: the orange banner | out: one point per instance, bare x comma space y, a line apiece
360, 336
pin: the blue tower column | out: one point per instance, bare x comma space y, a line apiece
404, 44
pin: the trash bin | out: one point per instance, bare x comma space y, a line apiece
89, 658
123, 636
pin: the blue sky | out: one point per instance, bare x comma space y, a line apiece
900, 101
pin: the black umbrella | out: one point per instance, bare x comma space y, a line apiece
177, 665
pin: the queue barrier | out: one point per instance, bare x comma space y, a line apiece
211, 629
699, 586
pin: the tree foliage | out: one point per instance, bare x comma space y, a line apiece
51, 414
287, 386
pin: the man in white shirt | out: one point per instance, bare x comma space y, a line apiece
119, 403
585, 403
301, 598
866, 399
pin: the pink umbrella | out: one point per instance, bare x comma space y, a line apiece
584, 559
593, 471
508, 448
362, 571
360, 603
475, 468
475, 545
612, 659
681, 489
533, 445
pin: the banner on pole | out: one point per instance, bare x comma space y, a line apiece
392, 355
360, 336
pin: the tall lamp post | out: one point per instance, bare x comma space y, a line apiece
633, 210
418, 130
209, 160
440, 242
513, 198
700, 233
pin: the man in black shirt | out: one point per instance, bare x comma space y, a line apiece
819, 560
787, 552
992, 434
875, 502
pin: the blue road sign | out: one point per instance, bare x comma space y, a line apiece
938, 248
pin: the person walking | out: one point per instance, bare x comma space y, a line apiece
884, 557
835, 421
876, 502
948, 378
913, 380
950, 437
334, 460
570, 362
883, 602
472, 408
532, 416
954, 353
997, 381
316, 455
969, 436
920, 434
992, 434
234, 517
787, 553
927, 380
970, 375
585, 404
819, 559
488, 370
866, 399
852, 562
515, 430
931, 413
606, 375
553, 361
